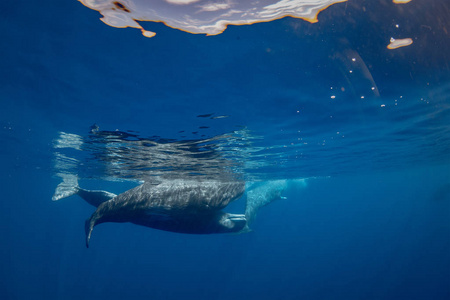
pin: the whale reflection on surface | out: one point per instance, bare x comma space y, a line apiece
117, 155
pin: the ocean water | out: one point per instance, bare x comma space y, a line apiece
363, 130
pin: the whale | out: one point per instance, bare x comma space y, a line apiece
178, 205
182, 206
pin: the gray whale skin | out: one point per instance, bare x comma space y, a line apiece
174, 205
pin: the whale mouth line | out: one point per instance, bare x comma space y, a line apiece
235, 217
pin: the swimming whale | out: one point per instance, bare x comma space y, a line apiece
184, 206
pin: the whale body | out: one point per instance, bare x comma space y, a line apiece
178, 205
184, 206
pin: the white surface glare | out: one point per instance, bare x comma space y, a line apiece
203, 16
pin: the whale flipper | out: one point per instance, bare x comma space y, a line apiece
88, 227
69, 187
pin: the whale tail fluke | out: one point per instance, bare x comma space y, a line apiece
70, 187
67, 188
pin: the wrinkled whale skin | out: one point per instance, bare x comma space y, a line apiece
177, 205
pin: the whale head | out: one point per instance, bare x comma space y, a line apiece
230, 223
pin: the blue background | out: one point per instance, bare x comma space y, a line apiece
373, 223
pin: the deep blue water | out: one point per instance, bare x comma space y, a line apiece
372, 221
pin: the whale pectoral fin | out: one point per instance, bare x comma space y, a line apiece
88, 227
67, 188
